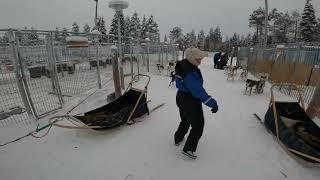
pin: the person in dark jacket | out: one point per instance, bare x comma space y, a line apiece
224, 60
190, 97
216, 59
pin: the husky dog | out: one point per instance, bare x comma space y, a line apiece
173, 78
243, 75
259, 85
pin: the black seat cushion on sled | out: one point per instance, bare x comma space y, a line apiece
287, 135
117, 112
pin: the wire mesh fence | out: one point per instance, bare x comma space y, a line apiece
297, 65
40, 71
12, 108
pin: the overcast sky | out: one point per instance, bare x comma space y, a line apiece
230, 15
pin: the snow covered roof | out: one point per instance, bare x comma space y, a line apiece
76, 39
77, 42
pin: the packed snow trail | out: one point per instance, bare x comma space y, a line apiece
234, 145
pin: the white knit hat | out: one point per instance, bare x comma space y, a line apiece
192, 54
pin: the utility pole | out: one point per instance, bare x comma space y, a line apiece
96, 13
266, 24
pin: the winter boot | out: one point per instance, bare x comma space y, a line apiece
190, 154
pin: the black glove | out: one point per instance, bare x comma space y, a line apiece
215, 109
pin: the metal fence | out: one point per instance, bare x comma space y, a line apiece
297, 65
38, 76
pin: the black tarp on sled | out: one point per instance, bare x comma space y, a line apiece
132, 104
291, 125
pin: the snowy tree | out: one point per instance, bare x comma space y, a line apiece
283, 25
144, 27
308, 22
114, 26
201, 40
176, 36
64, 34
210, 39
101, 27
217, 38
127, 25
317, 38
153, 29
135, 26
86, 28
193, 39
75, 28
256, 20
165, 38
57, 34
248, 41
5, 37
297, 18
234, 40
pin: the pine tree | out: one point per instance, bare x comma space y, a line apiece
64, 34
165, 38
57, 34
201, 40
176, 35
193, 39
283, 25
75, 28
114, 26
127, 25
234, 41
5, 37
86, 28
135, 26
144, 27
297, 18
153, 29
256, 20
101, 27
317, 38
248, 41
308, 22
217, 38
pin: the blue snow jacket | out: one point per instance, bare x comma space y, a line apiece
189, 80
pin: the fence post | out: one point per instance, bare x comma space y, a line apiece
18, 70
22, 83
131, 59
52, 68
148, 58
167, 58
159, 55
115, 68
98, 66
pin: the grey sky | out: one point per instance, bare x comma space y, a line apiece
230, 15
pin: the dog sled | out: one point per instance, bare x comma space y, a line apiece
123, 110
293, 129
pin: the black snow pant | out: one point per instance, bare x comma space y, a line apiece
191, 115
216, 63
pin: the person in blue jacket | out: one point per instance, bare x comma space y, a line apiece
190, 97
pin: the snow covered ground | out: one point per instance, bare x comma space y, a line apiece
234, 145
